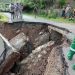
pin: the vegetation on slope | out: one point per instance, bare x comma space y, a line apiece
3, 17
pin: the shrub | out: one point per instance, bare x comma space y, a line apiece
43, 13
62, 3
1, 17
52, 14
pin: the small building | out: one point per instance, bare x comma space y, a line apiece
4, 4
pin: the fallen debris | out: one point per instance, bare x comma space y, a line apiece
36, 50
13, 53
19, 41
42, 39
36, 62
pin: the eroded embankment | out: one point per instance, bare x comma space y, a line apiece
42, 55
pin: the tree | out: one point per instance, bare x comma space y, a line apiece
62, 3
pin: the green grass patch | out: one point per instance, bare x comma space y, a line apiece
3, 18
63, 20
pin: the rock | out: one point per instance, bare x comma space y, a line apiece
42, 39
18, 31
12, 74
58, 29
19, 41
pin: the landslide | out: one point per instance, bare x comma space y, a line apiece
42, 55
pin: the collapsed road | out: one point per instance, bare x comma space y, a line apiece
40, 50
28, 18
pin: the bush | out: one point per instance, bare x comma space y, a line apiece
43, 13
62, 3
52, 14
1, 17
49, 14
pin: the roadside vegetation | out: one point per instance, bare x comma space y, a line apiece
3, 17
49, 9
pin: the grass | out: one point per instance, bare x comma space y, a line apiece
3, 18
63, 20
58, 19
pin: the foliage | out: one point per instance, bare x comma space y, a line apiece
39, 3
63, 20
43, 13
62, 3
28, 3
3, 17
50, 14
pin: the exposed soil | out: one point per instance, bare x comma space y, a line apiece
38, 57
32, 30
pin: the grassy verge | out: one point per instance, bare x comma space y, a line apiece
58, 19
63, 20
3, 18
